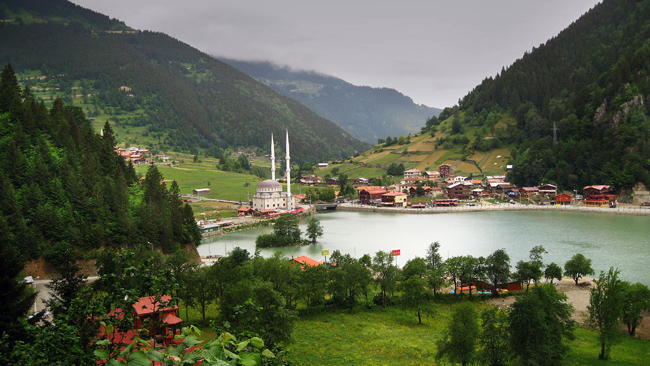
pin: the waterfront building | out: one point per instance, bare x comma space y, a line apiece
269, 195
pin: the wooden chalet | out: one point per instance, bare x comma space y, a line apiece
564, 198
599, 196
431, 175
371, 195
156, 314
459, 191
548, 190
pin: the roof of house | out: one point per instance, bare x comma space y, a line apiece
149, 304
374, 191
304, 260
395, 194
413, 171
598, 187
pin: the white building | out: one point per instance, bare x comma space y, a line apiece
269, 195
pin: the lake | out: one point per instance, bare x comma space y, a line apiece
608, 240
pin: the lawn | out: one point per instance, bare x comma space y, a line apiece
392, 336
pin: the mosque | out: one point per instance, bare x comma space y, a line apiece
269, 195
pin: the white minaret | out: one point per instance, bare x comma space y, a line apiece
288, 175
272, 159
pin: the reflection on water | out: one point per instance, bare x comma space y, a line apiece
619, 241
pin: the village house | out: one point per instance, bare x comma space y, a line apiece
528, 192
459, 191
361, 182
394, 199
436, 191
323, 165
333, 181
371, 195
310, 180
412, 180
156, 314
599, 195
565, 198
444, 170
305, 261
412, 173
431, 175
548, 190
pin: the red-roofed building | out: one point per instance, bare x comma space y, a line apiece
371, 195
154, 313
590, 191
565, 198
305, 261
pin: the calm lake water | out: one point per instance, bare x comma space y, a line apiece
608, 240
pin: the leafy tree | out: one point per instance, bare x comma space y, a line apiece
493, 342
313, 280
636, 302
578, 266
435, 266
414, 285
314, 229
497, 269
553, 271
536, 259
606, 310
526, 272
385, 274
459, 341
540, 323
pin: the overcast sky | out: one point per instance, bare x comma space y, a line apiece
434, 51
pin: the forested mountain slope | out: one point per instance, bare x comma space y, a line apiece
366, 113
592, 83
64, 187
177, 96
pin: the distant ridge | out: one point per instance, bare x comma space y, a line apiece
155, 89
366, 113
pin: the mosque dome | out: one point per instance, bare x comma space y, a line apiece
269, 185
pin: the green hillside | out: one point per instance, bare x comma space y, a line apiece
366, 113
156, 91
574, 110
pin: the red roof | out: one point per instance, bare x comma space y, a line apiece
146, 305
375, 191
304, 260
172, 319
599, 187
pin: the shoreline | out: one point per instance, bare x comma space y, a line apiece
626, 211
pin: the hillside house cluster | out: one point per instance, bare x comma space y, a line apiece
135, 155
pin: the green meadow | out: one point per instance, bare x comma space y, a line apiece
375, 335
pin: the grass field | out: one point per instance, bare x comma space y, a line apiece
374, 335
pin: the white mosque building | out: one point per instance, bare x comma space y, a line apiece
269, 195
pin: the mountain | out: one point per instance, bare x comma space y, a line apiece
156, 90
366, 113
573, 111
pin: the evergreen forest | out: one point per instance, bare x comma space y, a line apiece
580, 102
64, 187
